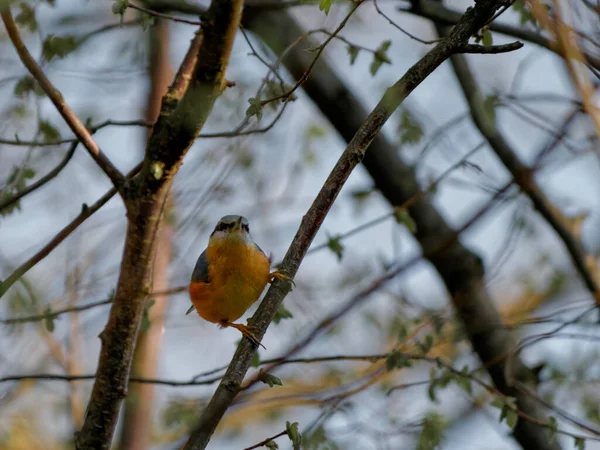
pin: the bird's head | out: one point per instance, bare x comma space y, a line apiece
232, 228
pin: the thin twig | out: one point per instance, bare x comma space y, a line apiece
267, 440
318, 52
402, 30
490, 49
93, 129
161, 15
42, 181
86, 212
57, 99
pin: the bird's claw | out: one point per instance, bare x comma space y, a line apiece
280, 274
246, 330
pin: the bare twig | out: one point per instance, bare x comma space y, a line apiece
93, 129
86, 212
161, 15
56, 97
442, 15
42, 181
318, 52
265, 441
490, 49
173, 134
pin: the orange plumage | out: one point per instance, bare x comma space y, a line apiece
238, 274
230, 275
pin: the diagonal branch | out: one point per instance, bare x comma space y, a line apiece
42, 181
56, 97
354, 153
86, 212
461, 270
524, 177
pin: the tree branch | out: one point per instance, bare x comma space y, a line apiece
460, 269
524, 177
353, 154
442, 15
490, 49
263, 442
176, 129
42, 181
56, 97
86, 212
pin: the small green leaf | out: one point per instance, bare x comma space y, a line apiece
463, 381
147, 21
146, 316
403, 218
272, 445
26, 17
282, 314
579, 443
255, 108
524, 13
294, 434
511, 418
552, 428
487, 37
432, 431
49, 319
119, 7
24, 86
325, 5
410, 129
49, 132
255, 360
353, 53
380, 57
397, 360
489, 107
58, 46
334, 243
269, 379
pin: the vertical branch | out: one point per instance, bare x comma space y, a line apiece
138, 411
175, 131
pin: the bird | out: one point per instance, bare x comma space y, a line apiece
230, 275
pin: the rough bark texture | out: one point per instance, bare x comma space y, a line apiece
461, 270
145, 197
363, 135
138, 410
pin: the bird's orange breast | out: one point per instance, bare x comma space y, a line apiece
238, 274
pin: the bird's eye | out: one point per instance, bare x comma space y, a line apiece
246, 227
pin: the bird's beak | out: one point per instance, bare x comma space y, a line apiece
238, 225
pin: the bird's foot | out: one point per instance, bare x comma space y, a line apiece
280, 274
246, 330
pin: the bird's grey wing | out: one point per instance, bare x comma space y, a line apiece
200, 273
260, 249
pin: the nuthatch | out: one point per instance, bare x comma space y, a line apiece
230, 275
